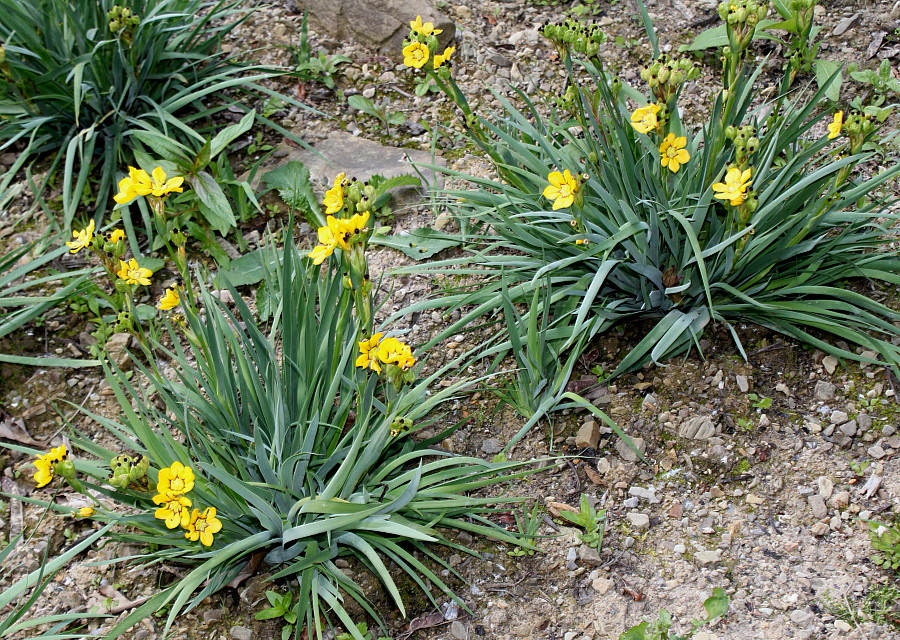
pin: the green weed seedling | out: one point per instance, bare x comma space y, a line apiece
885, 540
363, 629
881, 81
281, 608
377, 110
759, 402
527, 523
593, 522
716, 606
320, 67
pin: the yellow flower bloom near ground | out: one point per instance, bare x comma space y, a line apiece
46, 465
334, 200
672, 152
834, 127
202, 525
734, 188
393, 351
426, 29
85, 512
175, 510
117, 235
140, 183
170, 300
82, 238
132, 273
645, 119
346, 229
175, 480
562, 189
415, 55
441, 58
368, 353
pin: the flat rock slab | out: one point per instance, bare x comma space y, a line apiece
382, 23
361, 159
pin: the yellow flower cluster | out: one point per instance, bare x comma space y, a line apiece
46, 465
82, 239
562, 189
140, 183
417, 52
337, 233
175, 508
734, 188
377, 351
132, 273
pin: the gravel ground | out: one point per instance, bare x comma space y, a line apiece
764, 499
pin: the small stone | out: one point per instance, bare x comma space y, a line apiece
888, 430
742, 383
602, 585
213, 614
754, 499
241, 633
640, 521
631, 503
824, 390
697, 428
842, 625
627, 454
839, 417
849, 428
708, 557
499, 60
845, 25
840, 500
830, 363
800, 617
876, 452
588, 436
864, 422
826, 487
820, 529
589, 556
492, 445
817, 505
783, 388
680, 549
459, 630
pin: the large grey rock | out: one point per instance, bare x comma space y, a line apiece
382, 23
361, 159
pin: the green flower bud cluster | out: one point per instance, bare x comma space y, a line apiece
575, 35
360, 196
124, 322
128, 470
122, 22
568, 101
665, 75
742, 12
745, 143
858, 126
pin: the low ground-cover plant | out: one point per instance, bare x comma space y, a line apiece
629, 214
78, 76
286, 442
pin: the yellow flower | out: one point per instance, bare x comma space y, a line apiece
644, 119
202, 525
415, 55
175, 510
368, 352
562, 189
734, 189
392, 351
140, 183
334, 200
82, 238
170, 299
175, 480
582, 241
441, 58
85, 512
46, 465
834, 128
672, 152
346, 229
131, 273
426, 29
117, 235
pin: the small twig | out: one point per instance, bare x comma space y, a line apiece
125, 606
575, 472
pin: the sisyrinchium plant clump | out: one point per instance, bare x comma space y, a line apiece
631, 212
285, 443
